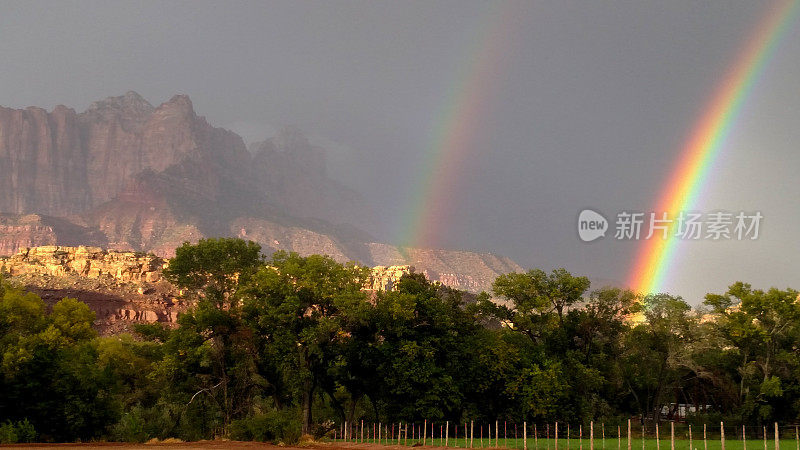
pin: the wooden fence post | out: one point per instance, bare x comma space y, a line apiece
591, 435
705, 441
722, 434
446, 433
672, 435
471, 432
619, 437
777, 437
629, 434
524, 435
744, 438
658, 439
690, 438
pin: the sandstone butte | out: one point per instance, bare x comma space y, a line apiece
122, 287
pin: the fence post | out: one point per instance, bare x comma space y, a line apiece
446, 432
591, 435
629, 434
658, 439
705, 441
744, 438
722, 434
555, 436
777, 437
690, 438
619, 437
471, 432
672, 435
524, 435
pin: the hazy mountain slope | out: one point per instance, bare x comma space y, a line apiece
129, 176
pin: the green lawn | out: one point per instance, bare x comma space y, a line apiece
610, 444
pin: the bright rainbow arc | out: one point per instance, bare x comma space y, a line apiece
681, 192
454, 136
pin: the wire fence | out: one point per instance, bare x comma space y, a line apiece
561, 436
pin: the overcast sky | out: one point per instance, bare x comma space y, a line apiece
590, 107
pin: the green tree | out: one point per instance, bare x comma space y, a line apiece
49, 371
298, 308
533, 297
759, 331
214, 268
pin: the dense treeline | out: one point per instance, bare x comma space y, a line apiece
278, 347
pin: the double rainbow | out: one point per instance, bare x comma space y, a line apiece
657, 256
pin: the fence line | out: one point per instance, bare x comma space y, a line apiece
681, 436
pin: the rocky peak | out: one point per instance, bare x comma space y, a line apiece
130, 101
131, 110
291, 150
179, 105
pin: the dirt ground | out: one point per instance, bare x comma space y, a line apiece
210, 445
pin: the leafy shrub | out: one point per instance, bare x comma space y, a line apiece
282, 426
22, 431
8, 433
131, 427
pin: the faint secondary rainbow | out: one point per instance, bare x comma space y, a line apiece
457, 127
656, 256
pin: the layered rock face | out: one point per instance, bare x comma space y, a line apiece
89, 262
122, 288
128, 176
385, 278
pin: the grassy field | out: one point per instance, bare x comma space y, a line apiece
609, 444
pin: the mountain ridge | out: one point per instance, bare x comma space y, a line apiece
130, 176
